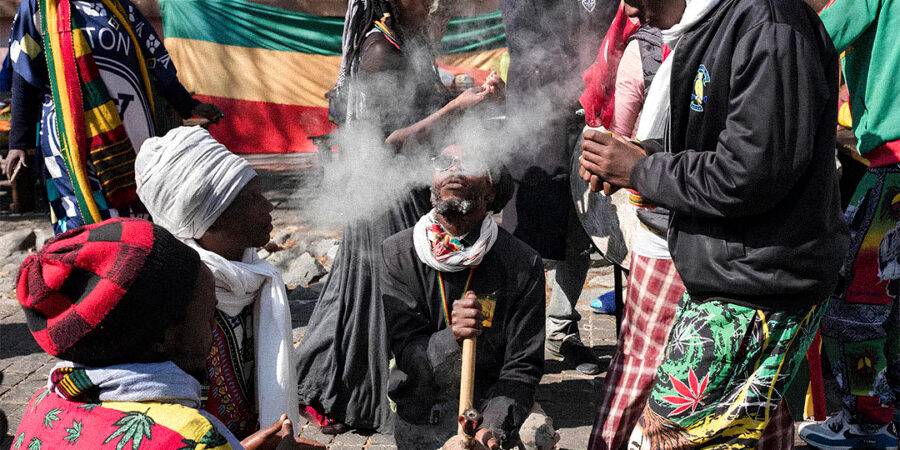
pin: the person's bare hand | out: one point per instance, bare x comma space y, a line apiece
208, 111
457, 442
466, 317
486, 437
269, 437
12, 160
494, 85
469, 98
609, 159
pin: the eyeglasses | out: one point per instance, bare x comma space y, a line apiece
469, 166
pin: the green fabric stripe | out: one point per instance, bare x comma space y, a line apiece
246, 24
80, 379
60, 125
94, 94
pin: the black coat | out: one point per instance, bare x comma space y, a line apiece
550, 43
510, 354
750, 173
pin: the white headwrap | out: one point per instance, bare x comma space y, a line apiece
186, 179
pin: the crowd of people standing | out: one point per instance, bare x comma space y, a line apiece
718, 116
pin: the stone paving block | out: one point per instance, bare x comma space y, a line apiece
346, 447
26, 364
23, 392
44, 371
10, 380
315, 434
351, 438
382, 439
574, 438
6, 362
14, 415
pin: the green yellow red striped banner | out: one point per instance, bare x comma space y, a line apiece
268, 67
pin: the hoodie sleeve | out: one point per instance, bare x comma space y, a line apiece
846, 20
763, 150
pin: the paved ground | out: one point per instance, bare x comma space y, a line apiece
567, 396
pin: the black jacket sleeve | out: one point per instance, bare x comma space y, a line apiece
410, 330
777, 87
509, 401
25, 114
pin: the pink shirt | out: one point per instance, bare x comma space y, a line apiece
629, 97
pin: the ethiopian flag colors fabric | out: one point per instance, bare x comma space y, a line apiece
268, 69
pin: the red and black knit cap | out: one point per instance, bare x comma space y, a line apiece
103, 293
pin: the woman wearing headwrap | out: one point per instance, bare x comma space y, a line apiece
388, 83
217, 208
101, 74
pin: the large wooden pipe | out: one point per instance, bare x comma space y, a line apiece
466, 386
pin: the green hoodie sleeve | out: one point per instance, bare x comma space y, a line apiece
846, 20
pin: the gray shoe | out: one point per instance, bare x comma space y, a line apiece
573, 351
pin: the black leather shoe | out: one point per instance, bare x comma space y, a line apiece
575, 352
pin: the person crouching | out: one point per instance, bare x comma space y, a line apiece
130, 310
439, 280
211, 199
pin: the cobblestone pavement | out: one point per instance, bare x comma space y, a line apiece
562, 392
567, 396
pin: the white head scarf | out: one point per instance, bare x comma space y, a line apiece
186, 179
655, 114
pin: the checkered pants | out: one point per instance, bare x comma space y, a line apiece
779, 432
654, 289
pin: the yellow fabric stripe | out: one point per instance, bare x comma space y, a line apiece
786, 348
181, 419
275, 76
139, 53
254, 74
71, 147
108, 169
102, 119
68, 385
81, 44
114, 155
487, 60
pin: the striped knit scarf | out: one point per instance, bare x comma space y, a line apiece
88, 123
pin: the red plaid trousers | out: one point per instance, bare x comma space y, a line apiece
779, 432
654, 290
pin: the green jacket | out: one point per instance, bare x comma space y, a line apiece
869, 32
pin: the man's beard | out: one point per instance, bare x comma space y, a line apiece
453, 207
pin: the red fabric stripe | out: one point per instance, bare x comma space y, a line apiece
114, 135
138, 233
884, 155
43, 339
73, 84
88, 67
261, 127
99, 302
